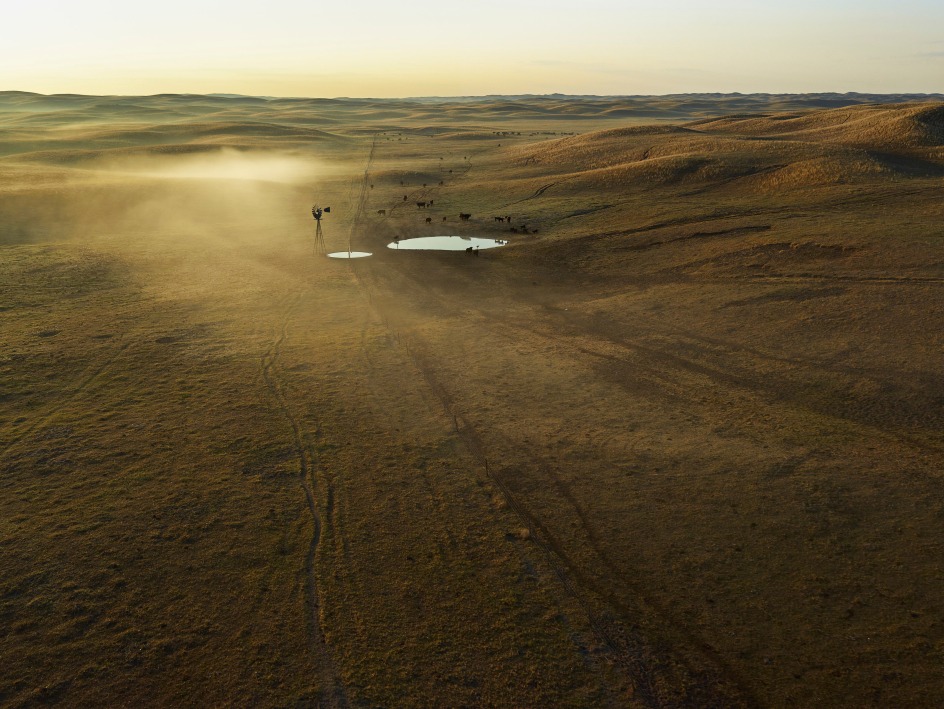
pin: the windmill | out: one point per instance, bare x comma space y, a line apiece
317, 212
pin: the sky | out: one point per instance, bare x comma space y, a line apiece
369, 48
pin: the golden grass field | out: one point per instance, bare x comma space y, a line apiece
680, 443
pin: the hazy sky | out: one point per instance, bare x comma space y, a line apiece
441, 47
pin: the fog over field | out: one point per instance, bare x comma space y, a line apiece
678, 442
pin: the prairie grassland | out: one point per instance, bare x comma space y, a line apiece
679, 443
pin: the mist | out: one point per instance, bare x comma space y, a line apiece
226, 164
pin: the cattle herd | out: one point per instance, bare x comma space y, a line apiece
463, 216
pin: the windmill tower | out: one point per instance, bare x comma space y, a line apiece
317, 212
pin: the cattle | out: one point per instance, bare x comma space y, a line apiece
444, 219
421, 205
429, 220
469, 250
382, 212
508, 219
404, 198
430, 203
464, 217
499, 219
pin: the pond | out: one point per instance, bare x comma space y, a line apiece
350, 254
445, 243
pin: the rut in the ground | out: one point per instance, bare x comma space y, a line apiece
331, 690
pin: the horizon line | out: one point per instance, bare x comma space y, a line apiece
232, 95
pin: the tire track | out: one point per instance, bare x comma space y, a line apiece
710, 681
629, 658
331, 691
715, 685
540, 191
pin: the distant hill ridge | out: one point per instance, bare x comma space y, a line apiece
904, 124
379, 114
824, 99
756, 152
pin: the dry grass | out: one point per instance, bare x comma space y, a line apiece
681, 446
881, 126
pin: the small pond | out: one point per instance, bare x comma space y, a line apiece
445, 243
350, 254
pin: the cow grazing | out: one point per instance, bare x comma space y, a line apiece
464, 217
429, 220
499, 219
421, 205
382, 212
